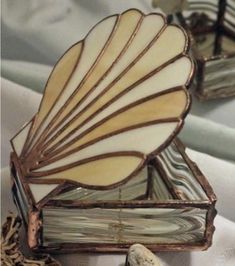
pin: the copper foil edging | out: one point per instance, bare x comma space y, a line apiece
34, 226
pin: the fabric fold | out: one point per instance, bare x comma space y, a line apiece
30, 75
209, 137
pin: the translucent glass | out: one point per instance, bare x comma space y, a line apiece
144, 225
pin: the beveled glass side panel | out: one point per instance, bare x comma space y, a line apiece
20, 202
229, 18
220, 74
159, 189
179, 175
18, 191
141, 225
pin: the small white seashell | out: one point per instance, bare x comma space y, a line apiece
138, 255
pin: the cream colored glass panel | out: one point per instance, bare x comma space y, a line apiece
145, 140
173, 75
56, 82
158, 54
19, 140
99, 35
151, 24
40, 191
161, 81
120, 39
170, 105
101, 172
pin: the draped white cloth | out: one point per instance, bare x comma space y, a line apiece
34, 34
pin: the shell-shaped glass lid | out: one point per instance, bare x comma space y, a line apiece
112, 101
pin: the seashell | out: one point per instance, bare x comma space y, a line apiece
139, 255
112, 101
171, 7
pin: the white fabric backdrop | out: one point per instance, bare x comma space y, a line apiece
40, 31
34, 35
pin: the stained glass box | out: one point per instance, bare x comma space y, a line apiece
212, 27
99, 166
